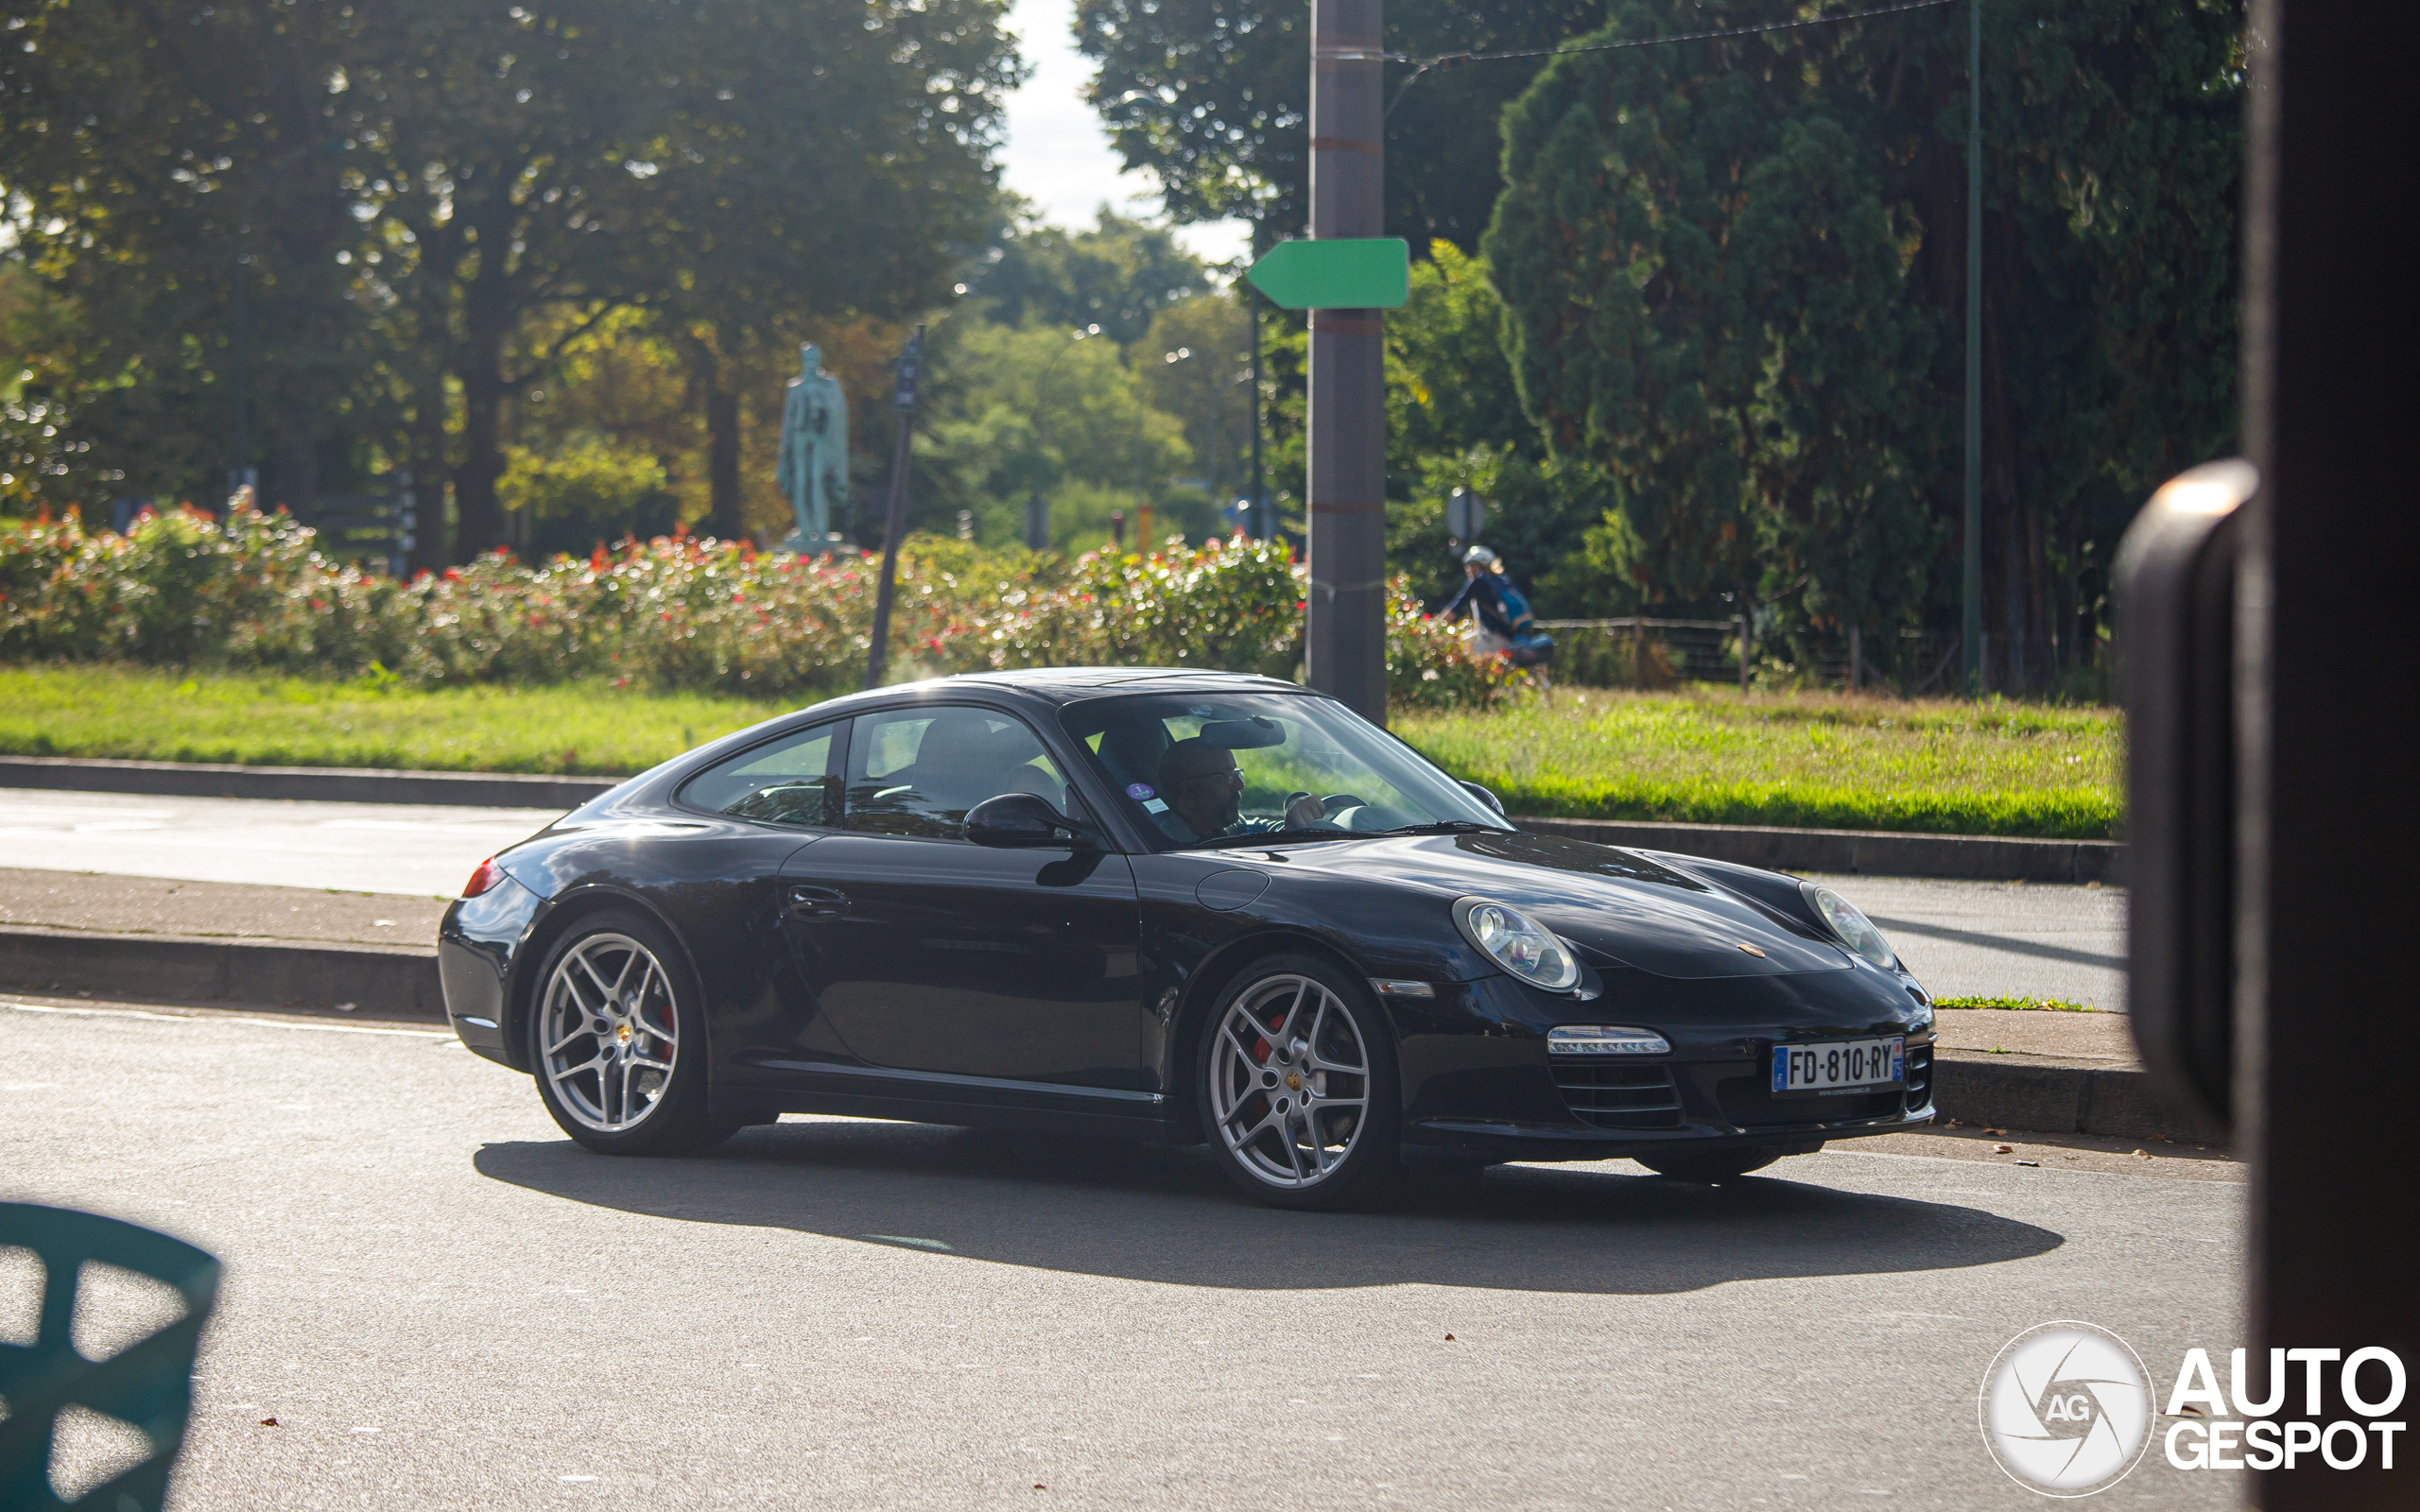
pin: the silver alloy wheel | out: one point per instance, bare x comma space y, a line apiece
608, 1032
1289, 1081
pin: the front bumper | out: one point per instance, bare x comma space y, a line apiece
1478, 1082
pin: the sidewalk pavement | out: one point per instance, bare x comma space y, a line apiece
99, 903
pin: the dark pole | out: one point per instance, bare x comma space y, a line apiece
895, 522
1261, 528
2328, 319
241, 473
1348, 425
1970, 642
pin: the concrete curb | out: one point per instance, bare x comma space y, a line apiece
1870, 853
2055, 1099
381, 981
401, 983
322, 784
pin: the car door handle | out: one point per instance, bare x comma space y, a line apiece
819, 902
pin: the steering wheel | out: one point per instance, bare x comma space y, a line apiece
1338, 803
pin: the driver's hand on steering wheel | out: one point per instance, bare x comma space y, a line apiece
1304, 810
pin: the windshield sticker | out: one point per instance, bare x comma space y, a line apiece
1152, 805
1138, 791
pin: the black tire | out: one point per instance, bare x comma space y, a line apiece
1318, 1110
1709, 1168
624, 1105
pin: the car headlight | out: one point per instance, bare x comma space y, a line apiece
1518, 943
1851, 928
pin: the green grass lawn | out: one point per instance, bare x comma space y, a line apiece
1817, 760
258, 721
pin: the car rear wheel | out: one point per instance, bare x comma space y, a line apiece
1298, 1085
618, 1041
1709, 1167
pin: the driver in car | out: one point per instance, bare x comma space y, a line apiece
1205, 793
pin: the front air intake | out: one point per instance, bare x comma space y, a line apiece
1607, 1095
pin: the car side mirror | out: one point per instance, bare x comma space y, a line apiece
1020, 821
1484, 796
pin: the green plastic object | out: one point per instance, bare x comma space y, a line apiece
148, 1383
1363, 273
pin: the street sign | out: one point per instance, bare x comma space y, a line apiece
1342, 273
1465, 515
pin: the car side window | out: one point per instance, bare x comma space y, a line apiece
791, 781
917, 771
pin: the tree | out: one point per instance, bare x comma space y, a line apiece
1117, 275
1014, 413
171, 176
1194, 362
1733, 269
1213, 96
771, 189
441, 201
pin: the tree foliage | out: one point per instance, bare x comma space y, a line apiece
1734, 275
1213, 97
431, 204
1117, 274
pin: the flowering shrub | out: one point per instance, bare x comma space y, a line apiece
254, 590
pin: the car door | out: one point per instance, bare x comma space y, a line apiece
760, 807
926, 953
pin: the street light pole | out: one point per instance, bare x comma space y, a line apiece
911, 362
1348, 430
1970, 641
1260, 526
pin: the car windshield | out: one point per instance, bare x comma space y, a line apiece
1215, 769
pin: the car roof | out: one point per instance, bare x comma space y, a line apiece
1063, 685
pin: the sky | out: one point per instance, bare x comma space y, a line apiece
1059, 156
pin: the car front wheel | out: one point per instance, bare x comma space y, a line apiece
1298, 1085
618, 1041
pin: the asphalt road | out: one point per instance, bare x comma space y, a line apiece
1960, 937
444, 1303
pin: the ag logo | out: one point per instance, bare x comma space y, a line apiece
2066, 1409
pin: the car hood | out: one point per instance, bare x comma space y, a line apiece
1620, 907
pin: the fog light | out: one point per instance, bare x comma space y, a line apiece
1604, 1039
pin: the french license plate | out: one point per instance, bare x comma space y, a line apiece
1840, 1065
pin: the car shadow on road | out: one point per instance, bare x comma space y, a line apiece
1145, 1213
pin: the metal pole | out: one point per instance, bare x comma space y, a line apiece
1261, 527
1971, 643
242, 472
1348, 425
895, 523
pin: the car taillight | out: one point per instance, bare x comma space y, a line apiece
487, 876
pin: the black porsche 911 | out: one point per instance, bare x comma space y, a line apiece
1167, 906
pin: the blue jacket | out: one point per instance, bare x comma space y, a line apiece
1498, 605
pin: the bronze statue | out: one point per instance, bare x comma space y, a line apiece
813, 471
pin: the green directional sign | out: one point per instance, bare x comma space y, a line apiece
1340, 274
